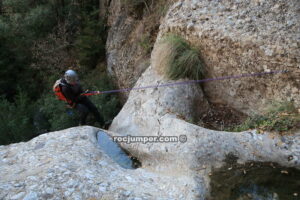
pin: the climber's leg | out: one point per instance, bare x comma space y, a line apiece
93, 109
83, 112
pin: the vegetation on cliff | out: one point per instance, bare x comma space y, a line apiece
281, 117
183, 60
39, 40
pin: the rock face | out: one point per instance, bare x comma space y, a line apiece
234, 38
163, 111
243, 37
127, 59
68, 164
229, 46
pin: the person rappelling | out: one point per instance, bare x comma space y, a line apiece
68, 89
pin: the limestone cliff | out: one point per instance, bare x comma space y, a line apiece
126, 57
234, 38
165, 111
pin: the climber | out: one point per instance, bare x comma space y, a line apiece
72, 91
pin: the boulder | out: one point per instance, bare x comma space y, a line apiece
165, 112
69, 164
243, 37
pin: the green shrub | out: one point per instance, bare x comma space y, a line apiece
279, 117
16, 6
18, 31
90, 43
16, 122
27, 25
56, 113
39, 21
183, 61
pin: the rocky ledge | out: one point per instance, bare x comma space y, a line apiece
69, 164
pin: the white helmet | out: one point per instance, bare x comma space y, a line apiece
71, 76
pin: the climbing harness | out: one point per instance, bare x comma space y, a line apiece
58, 91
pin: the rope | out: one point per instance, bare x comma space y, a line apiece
188, 82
